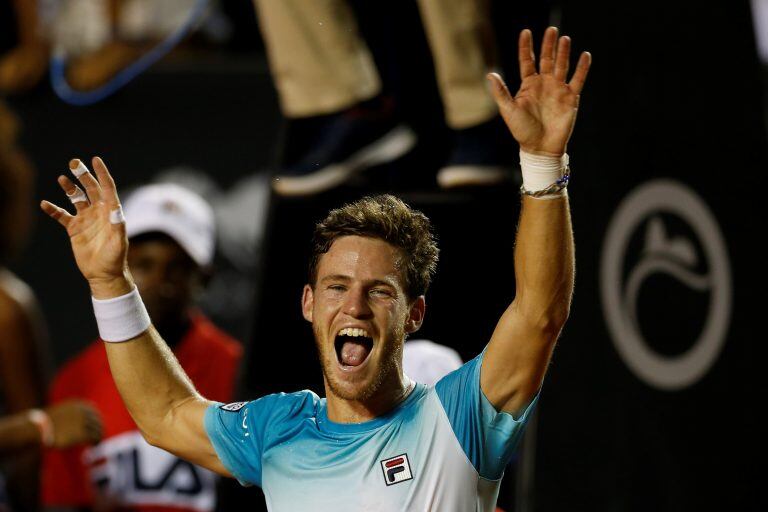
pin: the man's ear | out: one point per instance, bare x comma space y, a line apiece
307, 302
416, 315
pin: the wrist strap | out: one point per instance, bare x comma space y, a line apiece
44, 424
121, 318
544, 175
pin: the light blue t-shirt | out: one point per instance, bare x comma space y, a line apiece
442, 448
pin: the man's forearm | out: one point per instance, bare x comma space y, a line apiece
146, 372
150, 381
544, 261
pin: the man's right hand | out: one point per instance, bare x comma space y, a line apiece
74, 422
100, 247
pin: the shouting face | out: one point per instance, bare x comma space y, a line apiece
360, 315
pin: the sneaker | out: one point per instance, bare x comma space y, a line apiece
347, 143
482, 156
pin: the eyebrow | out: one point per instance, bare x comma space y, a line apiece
346, 279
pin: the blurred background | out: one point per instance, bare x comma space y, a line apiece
652, 400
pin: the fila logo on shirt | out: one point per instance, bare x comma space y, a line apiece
126, 468
396, 469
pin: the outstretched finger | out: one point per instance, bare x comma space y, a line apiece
60, 215
500, 91
563, 58
74, 193
82, 173
547, 57
580, 75
525, 54
108, 188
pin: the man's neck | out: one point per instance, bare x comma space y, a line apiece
359, 411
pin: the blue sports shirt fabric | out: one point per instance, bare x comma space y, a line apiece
450, 441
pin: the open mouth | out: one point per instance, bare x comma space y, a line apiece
353, 346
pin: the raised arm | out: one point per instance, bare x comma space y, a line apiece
541, 117
160, 397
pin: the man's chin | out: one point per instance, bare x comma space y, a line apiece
348, 387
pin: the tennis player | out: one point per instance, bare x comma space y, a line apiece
377, 441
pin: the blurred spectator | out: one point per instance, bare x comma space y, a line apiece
322, 67
99, 37
171, 231
427, 362
25, 64
23, 375
103, 37
60, 426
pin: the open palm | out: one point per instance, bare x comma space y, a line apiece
542, 113
98, 238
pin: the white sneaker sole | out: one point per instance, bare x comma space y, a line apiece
391, 146
455, 176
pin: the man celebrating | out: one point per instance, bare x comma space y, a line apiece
377, 441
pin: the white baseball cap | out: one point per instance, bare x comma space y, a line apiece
427, 362
175, 211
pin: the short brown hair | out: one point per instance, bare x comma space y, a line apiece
390, 219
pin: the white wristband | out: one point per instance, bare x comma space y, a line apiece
121, 318
540, 172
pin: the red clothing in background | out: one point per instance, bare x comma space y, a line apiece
123, 471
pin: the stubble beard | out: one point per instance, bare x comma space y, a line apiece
388, 366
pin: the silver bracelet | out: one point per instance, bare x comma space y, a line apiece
554, 188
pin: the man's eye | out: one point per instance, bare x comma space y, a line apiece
380, 292
336, 287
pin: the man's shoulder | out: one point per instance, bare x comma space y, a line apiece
304, 402
273, 412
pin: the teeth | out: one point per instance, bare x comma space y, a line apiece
354, 332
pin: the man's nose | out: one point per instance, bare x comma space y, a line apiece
356, 304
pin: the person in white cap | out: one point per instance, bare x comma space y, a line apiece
172, 245
427, 362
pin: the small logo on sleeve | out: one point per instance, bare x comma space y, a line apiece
233, 407
396, 469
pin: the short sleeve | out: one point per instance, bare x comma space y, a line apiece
241, 432
488, 437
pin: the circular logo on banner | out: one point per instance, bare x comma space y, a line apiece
675, 257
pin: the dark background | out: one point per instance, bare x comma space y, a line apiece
675, 92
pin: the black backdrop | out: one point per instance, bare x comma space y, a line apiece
675, 94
